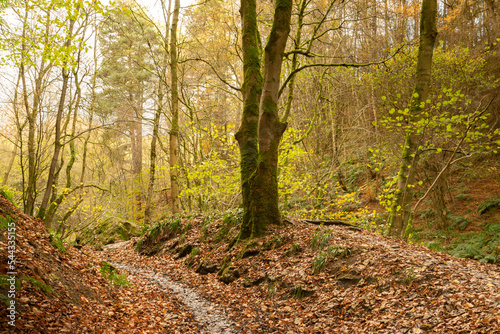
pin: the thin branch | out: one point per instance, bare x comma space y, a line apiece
290, 76
216, 73
85, 131
450, 160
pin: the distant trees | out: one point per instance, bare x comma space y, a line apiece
125, 74
46, 38
90, 94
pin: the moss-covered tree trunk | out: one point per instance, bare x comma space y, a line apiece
400, 214
261, 129
247, 135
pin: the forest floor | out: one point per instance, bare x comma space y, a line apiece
301, 278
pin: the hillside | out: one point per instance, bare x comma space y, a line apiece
301, 278
66, 293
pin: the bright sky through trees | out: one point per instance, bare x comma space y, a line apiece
153, 7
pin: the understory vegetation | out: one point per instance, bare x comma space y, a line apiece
88, 122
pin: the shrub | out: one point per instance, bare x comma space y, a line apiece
320, 238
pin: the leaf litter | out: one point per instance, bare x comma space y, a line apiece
377, 285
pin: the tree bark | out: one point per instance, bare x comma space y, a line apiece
174, 131
136, 141
152, 165
30, 193
55, 203
259, 137
57, 143
400, 214
162, 86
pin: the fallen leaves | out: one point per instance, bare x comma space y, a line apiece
83, 302
383, 285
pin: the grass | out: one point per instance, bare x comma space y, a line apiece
320, 238
56, 241
5, 282
321, 259
39, 285
231, 219
295, 249
488, 205
6, 222
111, 273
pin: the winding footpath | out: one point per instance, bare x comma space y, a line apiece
211, 316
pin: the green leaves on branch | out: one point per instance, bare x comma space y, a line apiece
444, 122
42, 29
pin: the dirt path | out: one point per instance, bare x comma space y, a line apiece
381, 285
210, 315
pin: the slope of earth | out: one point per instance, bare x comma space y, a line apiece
66, 293
302, 278
471, 194
473, 205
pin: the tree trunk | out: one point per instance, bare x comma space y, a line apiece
29, 196
247, 135
297, 41
259, 138
400, 214
136, 138
54, 205
57, 140
174, 131
492, 24
152, 165
156, 121
92, 107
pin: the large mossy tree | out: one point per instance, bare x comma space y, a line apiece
261, 129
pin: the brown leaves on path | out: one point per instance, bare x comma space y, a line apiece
355, 282
78, 298
368, 284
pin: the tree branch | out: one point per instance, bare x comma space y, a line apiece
216, 73
290, 76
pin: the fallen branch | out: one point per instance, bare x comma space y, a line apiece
328, 222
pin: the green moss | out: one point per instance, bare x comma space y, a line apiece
46, 289
5, 282
5, 222
8, 194
139, 245
231, 219
107, 231
111, 273
190, 260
